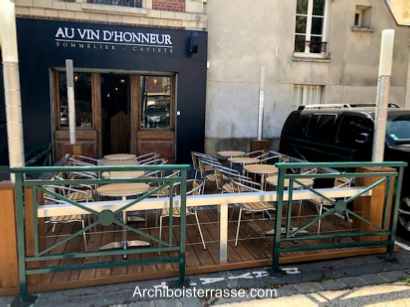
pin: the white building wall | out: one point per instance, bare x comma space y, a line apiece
243, 35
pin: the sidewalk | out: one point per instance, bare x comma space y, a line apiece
391, 295
345, 282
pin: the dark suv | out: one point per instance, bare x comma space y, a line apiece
345, 133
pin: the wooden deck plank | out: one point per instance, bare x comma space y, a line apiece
250, 253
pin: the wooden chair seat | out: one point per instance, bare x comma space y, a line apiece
229, 188
65, 219
80, 196
259, 206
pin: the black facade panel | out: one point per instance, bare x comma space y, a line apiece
47, 44
3, 128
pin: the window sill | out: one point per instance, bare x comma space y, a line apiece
317, 58
362, 29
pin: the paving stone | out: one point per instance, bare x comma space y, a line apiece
287, 291
371, 279
5, 301
352, 282
393, 276
308, 287
333, 284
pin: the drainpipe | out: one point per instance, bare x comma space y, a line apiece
71, 100
383, 94
8, 42
261, 103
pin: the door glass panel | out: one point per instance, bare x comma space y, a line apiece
156, 101
82, 93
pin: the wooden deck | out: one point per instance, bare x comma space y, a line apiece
254, 250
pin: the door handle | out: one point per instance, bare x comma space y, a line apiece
178, 113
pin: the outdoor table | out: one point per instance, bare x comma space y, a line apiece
117, 162
273, 180
231, 153
262, 170
120, 157
243, 160
123, 190
123, 175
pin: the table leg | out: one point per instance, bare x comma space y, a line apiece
124, 231
223, 243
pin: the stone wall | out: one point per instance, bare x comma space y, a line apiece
169, 5
243, 37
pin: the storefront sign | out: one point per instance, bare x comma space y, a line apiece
138, 41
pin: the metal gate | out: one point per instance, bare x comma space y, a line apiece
31, 178
291, 176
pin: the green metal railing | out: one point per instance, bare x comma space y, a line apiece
292, 173
174, 249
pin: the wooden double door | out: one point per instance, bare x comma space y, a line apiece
116, 113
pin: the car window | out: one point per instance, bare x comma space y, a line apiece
355, 130
296, 125
322, 127
398, 130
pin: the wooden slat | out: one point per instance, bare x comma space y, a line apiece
8, 242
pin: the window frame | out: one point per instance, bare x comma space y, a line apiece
308, 34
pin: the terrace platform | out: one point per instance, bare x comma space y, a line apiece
254, 249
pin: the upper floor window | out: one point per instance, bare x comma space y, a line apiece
310, 31
129, 3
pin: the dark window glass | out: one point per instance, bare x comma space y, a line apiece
322, 127
82, 94
319, 7
156, 102
301, 23
302, 7
317, 25
399, 129
129, 3
316, 44
300, 43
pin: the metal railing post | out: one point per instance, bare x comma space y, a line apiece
278, 223
24, 295
182, 239
396, 207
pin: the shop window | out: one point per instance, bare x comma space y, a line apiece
362, 18
310, 30
307, 94
83, 100
156, 102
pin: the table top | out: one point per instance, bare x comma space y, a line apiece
244, 160
118, 157
231, 153
117, 162
122, 189
123, 175
273, 180
261, 169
